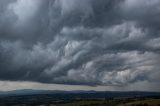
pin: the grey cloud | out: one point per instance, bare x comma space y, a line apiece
88, 42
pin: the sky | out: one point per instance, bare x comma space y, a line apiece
80, 45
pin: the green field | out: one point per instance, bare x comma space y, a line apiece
88, 103
115, 102
149, 102
83, 103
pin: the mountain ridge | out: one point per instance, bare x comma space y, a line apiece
89, 92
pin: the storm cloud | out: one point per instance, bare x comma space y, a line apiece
80, 42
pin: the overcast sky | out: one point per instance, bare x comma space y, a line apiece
80, 44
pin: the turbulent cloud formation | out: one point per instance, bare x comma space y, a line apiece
80, 42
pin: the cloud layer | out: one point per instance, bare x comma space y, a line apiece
87, 42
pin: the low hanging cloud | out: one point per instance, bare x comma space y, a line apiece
88, 42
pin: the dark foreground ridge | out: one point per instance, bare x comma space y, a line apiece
29, 97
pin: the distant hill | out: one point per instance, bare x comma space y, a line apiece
29, 92
78, 93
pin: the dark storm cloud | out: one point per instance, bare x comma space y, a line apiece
87, 42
